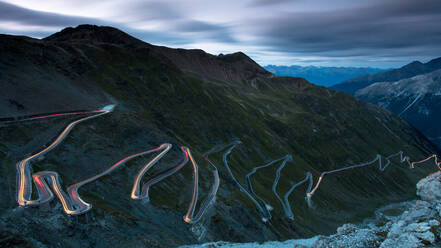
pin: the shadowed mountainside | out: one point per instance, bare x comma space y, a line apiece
187, 97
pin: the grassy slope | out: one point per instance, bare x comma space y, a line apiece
321, 128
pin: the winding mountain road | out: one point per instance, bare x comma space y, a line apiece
232, 145
74, 205
24, 186
268, 207
72, 202
378, 158
309, 178
211, 197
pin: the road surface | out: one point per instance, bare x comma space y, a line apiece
261, 210
378, 158
267, 207
24, 185
73, 204
211, 197
308, 178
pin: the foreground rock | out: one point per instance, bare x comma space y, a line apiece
416, 225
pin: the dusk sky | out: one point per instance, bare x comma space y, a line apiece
377, 33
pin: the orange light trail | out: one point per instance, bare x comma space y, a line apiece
24, 191
72, 202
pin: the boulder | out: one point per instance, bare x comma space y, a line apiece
429, 188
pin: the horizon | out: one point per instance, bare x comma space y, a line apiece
344, 34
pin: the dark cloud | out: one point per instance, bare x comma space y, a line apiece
263, 3
215, 32
178, 20
152, 10
13, 13
381, 28
308, 31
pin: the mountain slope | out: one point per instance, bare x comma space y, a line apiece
233, 68
321, 75
415, 68
161, 98
417, 100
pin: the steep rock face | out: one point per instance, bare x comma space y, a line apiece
413, 69
159, 100
417, 100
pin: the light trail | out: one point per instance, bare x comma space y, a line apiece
268, 207
261, 210
36, 117
378, 158
308, 179
189, 216
156, 179
287, 207
82, 207
434, 156
211, 197
73, 204
24, 191
137, 182
276, 181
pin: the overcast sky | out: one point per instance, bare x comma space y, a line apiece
377, 33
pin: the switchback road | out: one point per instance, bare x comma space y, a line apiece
73, 204
383, 163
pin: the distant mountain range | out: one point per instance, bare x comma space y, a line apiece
416, 99
415, 68
320, 75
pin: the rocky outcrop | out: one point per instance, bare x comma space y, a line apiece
429, 188
417, 226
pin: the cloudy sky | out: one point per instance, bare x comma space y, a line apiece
377, 33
